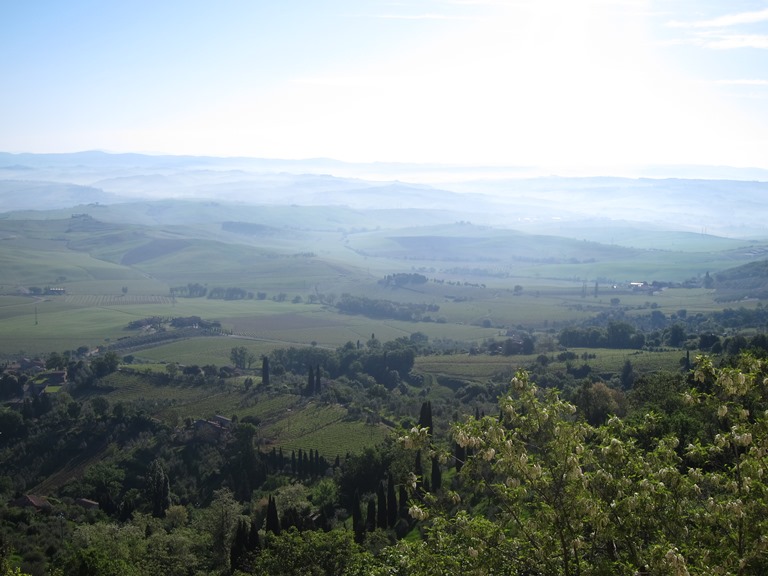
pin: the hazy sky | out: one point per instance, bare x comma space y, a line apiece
529, 82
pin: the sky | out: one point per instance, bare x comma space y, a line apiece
589, 83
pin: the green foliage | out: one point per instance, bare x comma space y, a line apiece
221, 519
567, 497
106, 364
6, 569
615, 335
158, 489
349, 304
241, 357
311, 553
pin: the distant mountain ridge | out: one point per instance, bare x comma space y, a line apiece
493, 196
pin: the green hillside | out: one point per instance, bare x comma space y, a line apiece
746, 281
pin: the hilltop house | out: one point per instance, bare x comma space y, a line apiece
212, 429
39, 503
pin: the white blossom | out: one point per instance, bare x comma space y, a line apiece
417, 513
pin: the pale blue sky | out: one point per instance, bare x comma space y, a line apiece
528, 82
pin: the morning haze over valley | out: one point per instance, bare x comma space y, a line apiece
407, 288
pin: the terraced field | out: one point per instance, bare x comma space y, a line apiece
287, 420
327, 429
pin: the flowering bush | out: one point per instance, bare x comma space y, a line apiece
544, 492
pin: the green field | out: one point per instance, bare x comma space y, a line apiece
119, 265
296, 264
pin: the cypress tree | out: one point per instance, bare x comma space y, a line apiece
459, 456
253, 537
381, 504
419, 471
300, 464
437, 474
403, 500
240, 543
310, 382
391, 502
370, 518
318, 385
158, 489
293, 462
273, 521
425, 416
627, 376
265, 371
358, 526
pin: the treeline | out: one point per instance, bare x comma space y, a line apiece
403, 279
615, 335
519, 344
158, 322
386, 364
376, 308
194, 290
191, 290
616, 329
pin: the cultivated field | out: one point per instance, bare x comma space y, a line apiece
294, 267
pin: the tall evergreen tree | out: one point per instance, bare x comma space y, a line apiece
370, 517
158, 489
391, 502
627, 375
253, 537
418, 469
402, 499
437, 474
381, 507
240, 543
318, 385
459, 456
265, 371
310, 383
358, 526
425, 416
273, 521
